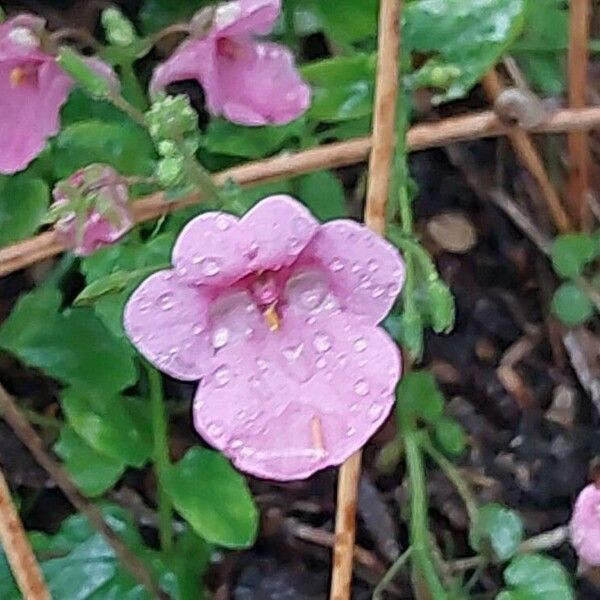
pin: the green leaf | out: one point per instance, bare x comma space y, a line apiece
92, 472
125, 146
324, 195
441, 305
223, 137
23, 206
115, 426
536, 577
468, 35
342, 87
80, 565
347, 21
213, 498
571, 305
571, 252
80, 107
419, 396
158, 14
450, 436
499, 526
73, 347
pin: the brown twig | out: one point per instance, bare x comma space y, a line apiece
578, 141
384, 136
529, 156
31, 440
427, 135
19, 553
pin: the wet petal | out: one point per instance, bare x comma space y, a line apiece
167, 321
327, 383
585, 525
246, 17
366, 272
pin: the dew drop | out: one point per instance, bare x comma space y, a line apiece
336, 265
263, 365
360, 345
165, 301
355, 407
350, 431
322, 342
392, 290
240, 414
355, 268
222, 376
361, 387
342, 359
372, 265
378, 292
295, 245
321, 363
222, 223
167, 276
220, 337
182, 271
145, 307
375, 411
198, 329
293, 353
215, 429
209, 266
236, 444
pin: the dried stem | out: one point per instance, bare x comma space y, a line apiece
578, 141
18, 551
384, 120
31, 440
428, 135
529, 156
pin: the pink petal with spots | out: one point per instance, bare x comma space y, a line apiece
307, 397
217, 249
585, 525
366, 272
167, 321
241, 17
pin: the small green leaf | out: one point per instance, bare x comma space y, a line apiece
571, 252
499, 526
213, 498
419, 396
93, 473
536, 577
450, 436
441, 306
23, 205
571, 305
117, 427
324, 195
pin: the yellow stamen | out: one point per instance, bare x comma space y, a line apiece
317, 436
272, 318
17, 77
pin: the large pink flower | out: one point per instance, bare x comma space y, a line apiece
276, 316
247, 81
585, 525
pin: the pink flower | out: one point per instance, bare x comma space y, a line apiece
585, 525
247, 81
93, 209
277, 316
32, 90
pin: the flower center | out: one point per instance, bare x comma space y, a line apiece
265, 293
18, 76
227, 48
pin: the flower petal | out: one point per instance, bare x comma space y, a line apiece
258, 78
585, 525
307, 397
167, 321
366, 272
246, 17
216, 249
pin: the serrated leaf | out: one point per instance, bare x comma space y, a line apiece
419, 396
213, 498
499, 526
571, 252
92, 472
571, 305
23, 205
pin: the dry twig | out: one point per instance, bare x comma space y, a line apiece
31, 440
19, 553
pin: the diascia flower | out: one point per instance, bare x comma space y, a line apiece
276, 316
32, 90
585, 525
247, 81
91, 209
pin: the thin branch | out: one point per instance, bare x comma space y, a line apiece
420, 137
384, 120
31, 440
529, 156
21, 558
579, 156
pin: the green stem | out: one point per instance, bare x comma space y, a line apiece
132, 87
391, 574
419, 534
130, 110
202, 178
161, 456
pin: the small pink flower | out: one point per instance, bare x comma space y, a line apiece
93, 208
277, 316
247, 81
585, 525
32, 90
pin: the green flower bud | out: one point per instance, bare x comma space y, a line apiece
170, 171
171, 117
119, 30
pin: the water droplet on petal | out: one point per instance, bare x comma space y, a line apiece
350, 431
222, 223
293, 352
361, 387
342, 359
295, 246
182, 271
215, 429
375, 411
222, 376
355, 407
378, 292
220, 337
145, 306
392, 290
209, 266
198, 329
360, 345
372, 265
336, 265
240, 414
322, 342
355, 268
235, 444
321, 363
263, 365
165, 301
